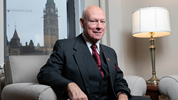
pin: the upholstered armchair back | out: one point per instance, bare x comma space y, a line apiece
23, 69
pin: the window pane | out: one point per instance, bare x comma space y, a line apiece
33, 26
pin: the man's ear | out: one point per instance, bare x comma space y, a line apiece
82, 22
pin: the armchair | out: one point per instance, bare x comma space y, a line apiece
1, 80
168, 86
21, 82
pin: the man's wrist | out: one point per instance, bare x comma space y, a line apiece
121, 93
122, 96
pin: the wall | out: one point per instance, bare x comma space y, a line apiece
114, 31
1, 34
128, 40
91, 2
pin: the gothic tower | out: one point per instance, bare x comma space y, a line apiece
14, 45
50, 25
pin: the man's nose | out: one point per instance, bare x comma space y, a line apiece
99, 25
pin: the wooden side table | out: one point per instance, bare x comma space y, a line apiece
153, 91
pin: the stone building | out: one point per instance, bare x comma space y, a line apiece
14, 47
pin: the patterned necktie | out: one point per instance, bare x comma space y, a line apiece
96, 57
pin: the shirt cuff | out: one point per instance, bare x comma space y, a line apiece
121, 93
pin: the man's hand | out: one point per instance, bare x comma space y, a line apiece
75, 93
122, 97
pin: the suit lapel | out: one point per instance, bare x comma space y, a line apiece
82, 55
110, 64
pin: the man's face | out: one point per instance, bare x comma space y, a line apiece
94, 25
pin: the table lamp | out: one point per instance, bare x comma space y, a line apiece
151, 22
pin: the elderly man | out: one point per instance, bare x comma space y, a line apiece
83, 69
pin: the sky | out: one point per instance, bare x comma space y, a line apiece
29, 25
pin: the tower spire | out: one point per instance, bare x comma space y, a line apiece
15, 40
15, 36
50, 3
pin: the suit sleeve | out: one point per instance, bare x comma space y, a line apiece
51, 73
120, 84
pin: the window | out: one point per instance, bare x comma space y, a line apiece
33, 26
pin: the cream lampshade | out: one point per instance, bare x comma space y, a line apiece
151, 22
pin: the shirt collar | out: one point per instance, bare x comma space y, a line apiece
89, 43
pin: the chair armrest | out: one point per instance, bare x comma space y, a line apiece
168, 86
137, 85
28, 91
2, 84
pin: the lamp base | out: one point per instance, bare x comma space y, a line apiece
153, 80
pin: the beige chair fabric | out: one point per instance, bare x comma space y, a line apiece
21, 80
22, 69
168, 86
137, 85
2, 79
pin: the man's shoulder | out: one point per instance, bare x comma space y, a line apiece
106, 47
109, 52
67, 42
71, 40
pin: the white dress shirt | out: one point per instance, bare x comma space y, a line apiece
89, 43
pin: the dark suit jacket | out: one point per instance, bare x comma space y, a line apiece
70, 62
